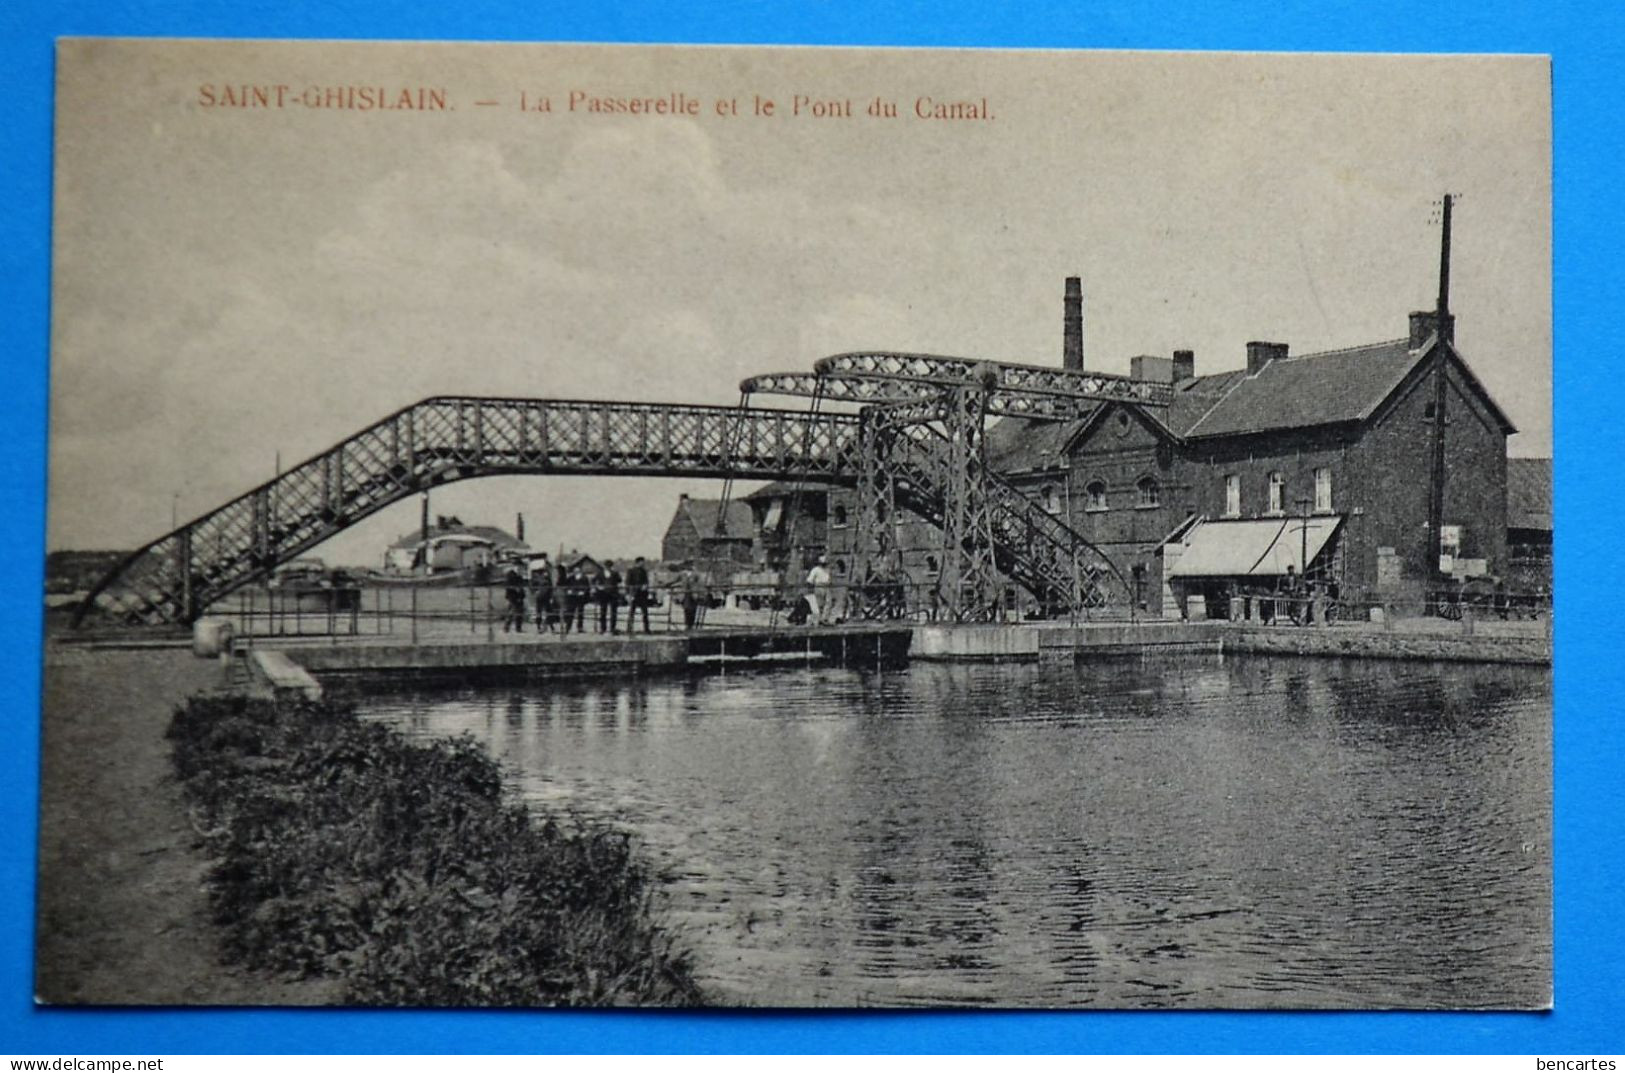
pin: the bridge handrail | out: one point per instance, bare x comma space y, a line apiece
325, 493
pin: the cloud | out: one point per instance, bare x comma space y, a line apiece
634, 265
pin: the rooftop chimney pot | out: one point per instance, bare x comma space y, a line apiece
1425, 325
1184, 365
1260, 354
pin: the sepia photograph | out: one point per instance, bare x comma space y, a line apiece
541, 525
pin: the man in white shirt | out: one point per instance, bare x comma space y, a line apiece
819, 579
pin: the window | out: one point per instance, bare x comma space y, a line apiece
1150, 492
840, 567
932, 567
1094, 496
1050, 497
1277, 493
840, 516
1232, 495
1323, 490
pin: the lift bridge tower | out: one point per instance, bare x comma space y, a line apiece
921, 446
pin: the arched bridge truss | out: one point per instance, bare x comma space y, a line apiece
916, 443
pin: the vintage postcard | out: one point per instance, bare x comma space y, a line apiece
541, 525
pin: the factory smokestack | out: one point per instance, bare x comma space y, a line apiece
1072, 325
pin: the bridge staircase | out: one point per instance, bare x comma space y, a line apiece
1022, 540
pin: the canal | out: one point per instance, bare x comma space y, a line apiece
1191, 832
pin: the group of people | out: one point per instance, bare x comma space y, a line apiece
560, 596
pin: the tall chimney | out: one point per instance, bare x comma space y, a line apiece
1261, 354
1072, 325
1184, 365
519, 527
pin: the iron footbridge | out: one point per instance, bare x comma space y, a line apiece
915, 445
446, 439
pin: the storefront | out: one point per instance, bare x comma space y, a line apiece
1256, 569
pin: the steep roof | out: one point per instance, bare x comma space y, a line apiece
1326, 388
702, 514
1529, 493
1192, 399
1018, 444
1313, 389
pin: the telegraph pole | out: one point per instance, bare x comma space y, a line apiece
1444, 336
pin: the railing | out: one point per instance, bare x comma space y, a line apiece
446, 614
1035, 548
1429, 610
440, 614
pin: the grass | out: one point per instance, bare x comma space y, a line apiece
344, 850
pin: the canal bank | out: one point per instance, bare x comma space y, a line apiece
536, 659
539, 660
1026, 642
123, 911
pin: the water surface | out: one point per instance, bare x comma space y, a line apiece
1236, 832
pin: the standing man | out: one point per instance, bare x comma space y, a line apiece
637, 589
580, 593
818, 578
565, 593
688, 587
1289, 587
513, 591
541, 573
609, 598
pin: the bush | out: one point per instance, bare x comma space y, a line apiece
344, 850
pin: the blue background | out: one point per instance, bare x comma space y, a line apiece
1586, 44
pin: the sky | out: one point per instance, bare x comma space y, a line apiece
232, 286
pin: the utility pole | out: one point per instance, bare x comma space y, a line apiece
1304, 503
1303, 531
1444, 335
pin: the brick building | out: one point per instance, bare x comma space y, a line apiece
694, 535
1529, 522
790, 525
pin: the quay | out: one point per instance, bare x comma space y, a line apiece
286, 665
1484, 642
529, 657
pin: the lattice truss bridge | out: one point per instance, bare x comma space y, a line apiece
909, 436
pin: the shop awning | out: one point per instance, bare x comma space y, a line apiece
1262, 547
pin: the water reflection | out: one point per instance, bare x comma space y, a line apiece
1242, 833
